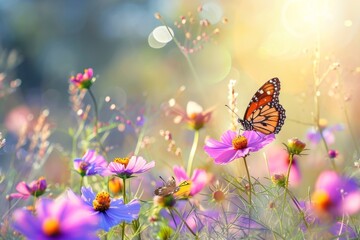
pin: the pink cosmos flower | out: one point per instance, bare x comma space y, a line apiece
61, 218
127, 167
83, 80
90, 164
278, 162
335, 195
198, 179
233, 146
35, 188
194, 115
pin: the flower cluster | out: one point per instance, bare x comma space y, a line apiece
83, 80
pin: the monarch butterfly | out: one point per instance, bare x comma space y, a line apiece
170, 188
264, 113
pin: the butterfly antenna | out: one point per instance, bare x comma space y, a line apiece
162, 179
232, 111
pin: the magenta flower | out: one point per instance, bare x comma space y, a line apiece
328, 132
198, 179
233, 146
278, 162
35, 188
110, 211
335, 195
90, 164
57, 219
127, 167
83, 80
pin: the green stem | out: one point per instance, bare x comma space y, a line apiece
81, 184
249, 180
250, 189
296, 202
96, 113
96, 121
291, 157
139, 141
192, 152
124, 199
183, 220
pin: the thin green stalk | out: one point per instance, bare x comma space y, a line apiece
96, 113
124, 199
183, 220
291, 157
192, 152
139, 141
81, 183
250, 189
296, 202
249, 180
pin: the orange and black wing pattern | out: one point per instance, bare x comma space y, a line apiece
264, 112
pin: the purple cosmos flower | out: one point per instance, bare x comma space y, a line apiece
198, 179
111, 212
233, 146
35, 188
57, 219
90, 164
126, 167
328, 132
278, 162
83, 80
335, 195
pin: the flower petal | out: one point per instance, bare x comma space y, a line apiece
180, 173
199, 180
228, 136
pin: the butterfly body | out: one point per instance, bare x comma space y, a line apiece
264, 113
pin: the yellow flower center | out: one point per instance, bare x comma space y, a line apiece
123, 161
240, 142
51, 227
321, 200
102, 202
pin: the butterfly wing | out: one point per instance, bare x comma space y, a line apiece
168, 188
184, 189
264, 112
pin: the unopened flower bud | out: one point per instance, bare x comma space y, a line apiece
295, 146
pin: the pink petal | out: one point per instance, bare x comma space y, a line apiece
227, 137
135, 164
226, 156
116, 167
23, 188
180, 174
199, 180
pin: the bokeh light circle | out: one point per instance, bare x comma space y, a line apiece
163, 34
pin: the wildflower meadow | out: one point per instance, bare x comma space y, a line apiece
179, 119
